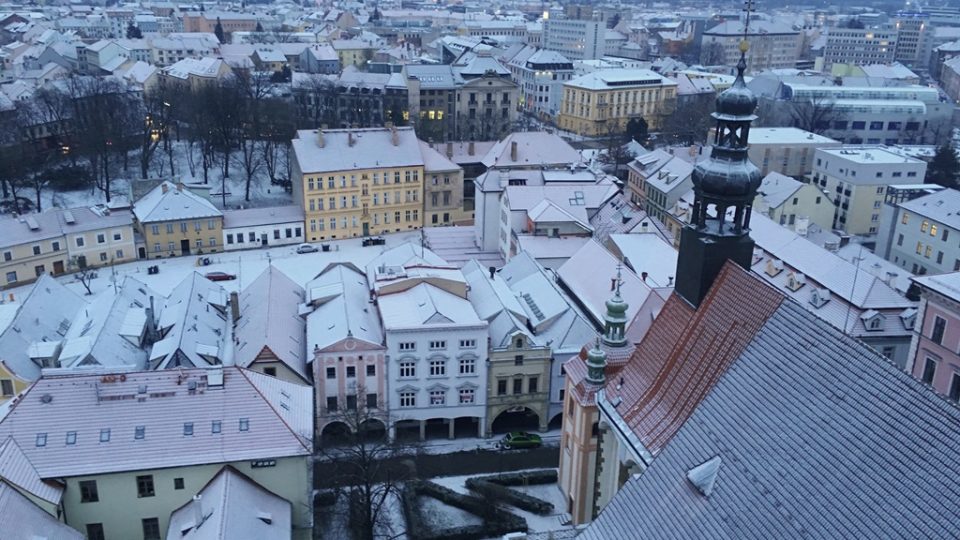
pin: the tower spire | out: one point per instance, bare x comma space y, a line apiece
724, 187
596, 364
615, 319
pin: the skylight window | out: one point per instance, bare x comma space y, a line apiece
188, 429
41, 439
105, 435
71, 437
140, 432
244, 424
215, 426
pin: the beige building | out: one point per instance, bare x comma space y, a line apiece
353, 52
794, 204
175, 221
57, 241
602, 102
358, 182
130, 448
786, 150
443, 188
773, 45
856, 177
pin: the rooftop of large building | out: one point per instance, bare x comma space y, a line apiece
618, 78
788, 135
874, 155
334, 150
942, 206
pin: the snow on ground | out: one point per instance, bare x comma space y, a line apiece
439, 515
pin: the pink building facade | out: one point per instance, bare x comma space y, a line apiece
348, 375
935, 350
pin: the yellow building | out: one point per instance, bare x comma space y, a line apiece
36, 244
353, 51
175, 221
604, 101
357, 182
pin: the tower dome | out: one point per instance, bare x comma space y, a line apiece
615, 319
596, 364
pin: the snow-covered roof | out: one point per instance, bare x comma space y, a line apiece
946, 284
619, 78
209, 67
342, 309
269, 319
648, 253
371, 148
16, 470
44, 315
425, 305
559, 203
260, 417
776, 189
194, 326
232, 505
942, 206
535, 149
21, 519
169, 201
406, 254
435, 161
271, 215
788, 135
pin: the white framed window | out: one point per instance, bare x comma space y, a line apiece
438, 397
468, 343
408, 369
467, 396
468, 366
408, 346
438, 344
438, 367
408, 399
101, 238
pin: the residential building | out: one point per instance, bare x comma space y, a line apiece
268, 331
172, 220
436, 345
59, 241
193, 74
354, 51
773, 45
352, 99
257, 227
22, 519
857, 178
192, 329
786, 150
541, 74
346, 350
935, 350
504, 30
602, 102
924, 233
432, 93
857, 302
174, 47
576, 39
486, 105
794, 204
236, 506
556, 210
950, 78
518, 156
207, 21
35, 325
874, 45
358, 182
130, 448
443, 189
657, 180
320, 58
533, 326
468, 156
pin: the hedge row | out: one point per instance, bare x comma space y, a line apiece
500, 493
525, 478
496, 522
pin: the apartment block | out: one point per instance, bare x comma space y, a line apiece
785, 150
924, 233
576, 39
859, 46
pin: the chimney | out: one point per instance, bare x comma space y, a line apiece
394, 137
320, 141
164, 187
179, 186
150, 332
513, 150
470, 148
197, 510
643, 276
493, 270
350, 139
235, 306
449, 150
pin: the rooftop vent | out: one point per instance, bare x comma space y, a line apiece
774, 267
704, 476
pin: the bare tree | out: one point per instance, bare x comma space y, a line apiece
689, 123
712, 54
159, 107
816, 115
254, 89
316, 98
82, 273
369, 468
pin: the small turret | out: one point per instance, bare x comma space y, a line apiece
615, 320
596, 364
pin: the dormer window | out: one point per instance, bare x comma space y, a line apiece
873, 320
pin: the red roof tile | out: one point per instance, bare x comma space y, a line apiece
685, 353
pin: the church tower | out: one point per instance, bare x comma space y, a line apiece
724, 187
615, 319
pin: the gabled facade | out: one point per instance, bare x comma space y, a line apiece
173, 220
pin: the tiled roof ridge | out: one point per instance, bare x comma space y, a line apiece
243, 371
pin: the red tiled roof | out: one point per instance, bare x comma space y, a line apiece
576, 369
685, 353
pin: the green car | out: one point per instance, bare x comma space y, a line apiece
520, 439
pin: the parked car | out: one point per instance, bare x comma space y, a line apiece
220, 276
520, 439
374, 241
307, 248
